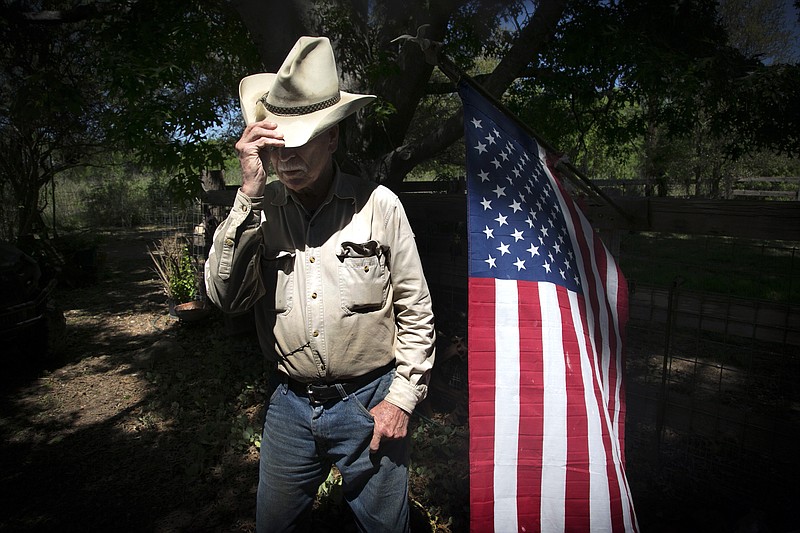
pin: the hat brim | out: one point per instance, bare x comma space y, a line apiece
297, 130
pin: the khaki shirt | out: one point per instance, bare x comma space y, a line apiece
337, 293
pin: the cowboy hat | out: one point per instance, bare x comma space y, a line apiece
303, 97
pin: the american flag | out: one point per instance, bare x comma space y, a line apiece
547, 308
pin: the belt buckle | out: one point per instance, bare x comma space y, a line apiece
311, 397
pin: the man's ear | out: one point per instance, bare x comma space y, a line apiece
333, 139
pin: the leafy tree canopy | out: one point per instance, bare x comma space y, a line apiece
155, 78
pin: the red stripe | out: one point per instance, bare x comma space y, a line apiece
577, 497
622, 320
481, 372
531, 424
614, 494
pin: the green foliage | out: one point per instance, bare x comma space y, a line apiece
439, 471
183, 278
175, 268
150, 78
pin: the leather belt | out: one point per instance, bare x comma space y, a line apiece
319, 392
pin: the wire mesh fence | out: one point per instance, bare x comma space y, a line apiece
713, 366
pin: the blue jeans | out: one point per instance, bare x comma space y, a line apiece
300, 443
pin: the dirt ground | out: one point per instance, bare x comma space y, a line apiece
149, 423
100, 443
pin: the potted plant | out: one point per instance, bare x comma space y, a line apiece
176, 270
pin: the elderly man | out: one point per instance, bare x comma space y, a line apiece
329, 264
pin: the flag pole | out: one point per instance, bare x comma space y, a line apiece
432, 51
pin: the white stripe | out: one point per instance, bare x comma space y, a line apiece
554, 441
599, 496
507, 408
612, 282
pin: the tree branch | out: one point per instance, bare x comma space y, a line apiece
394, 166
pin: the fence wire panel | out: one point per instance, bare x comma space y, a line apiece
713, 384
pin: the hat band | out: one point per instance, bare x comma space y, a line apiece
300, 110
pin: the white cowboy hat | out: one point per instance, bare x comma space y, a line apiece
303, 97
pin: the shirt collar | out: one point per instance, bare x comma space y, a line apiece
341, 188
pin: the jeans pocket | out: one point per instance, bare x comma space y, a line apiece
368, 397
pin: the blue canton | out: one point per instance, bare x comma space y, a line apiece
516, 225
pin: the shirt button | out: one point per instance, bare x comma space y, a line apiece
312, 259
244, 207
366, 269
316, 333
228, 242
314, 295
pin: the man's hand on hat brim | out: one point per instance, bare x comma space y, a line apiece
253, 148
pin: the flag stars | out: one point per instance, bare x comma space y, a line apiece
521, 219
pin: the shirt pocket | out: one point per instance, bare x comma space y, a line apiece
363, 277
277, 271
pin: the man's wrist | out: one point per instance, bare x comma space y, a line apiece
252, 192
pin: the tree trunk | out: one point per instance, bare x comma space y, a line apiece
393, 166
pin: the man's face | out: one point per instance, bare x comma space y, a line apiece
301, 168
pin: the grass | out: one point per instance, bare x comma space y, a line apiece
762, 270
